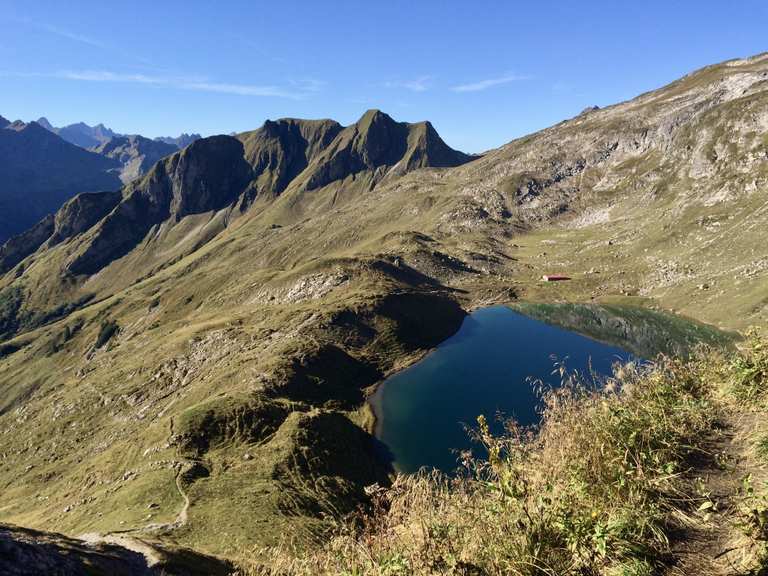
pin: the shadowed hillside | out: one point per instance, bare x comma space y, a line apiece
39, 171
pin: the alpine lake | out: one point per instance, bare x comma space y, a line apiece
499, 363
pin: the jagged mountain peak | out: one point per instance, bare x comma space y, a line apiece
313, 131
379, 139
374, 116
377, 142
281, 149
181, 141
18, 125
43, 121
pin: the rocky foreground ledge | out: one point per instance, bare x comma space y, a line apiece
25, 552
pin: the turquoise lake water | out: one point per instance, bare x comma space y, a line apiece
485, 368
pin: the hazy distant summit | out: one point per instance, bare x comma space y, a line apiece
136, 154
80, 134
85, 136
181, 141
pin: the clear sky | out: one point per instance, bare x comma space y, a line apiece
482, 72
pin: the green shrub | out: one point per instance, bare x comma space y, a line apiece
748, 372
10, 303
107, 330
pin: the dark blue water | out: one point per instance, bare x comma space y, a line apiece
485, 368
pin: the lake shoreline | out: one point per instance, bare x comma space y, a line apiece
371, 417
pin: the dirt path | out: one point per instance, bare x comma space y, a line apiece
185, 465
126, 538
716, 545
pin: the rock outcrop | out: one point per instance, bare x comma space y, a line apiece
25, 552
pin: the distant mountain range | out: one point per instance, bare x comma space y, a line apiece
135, 153
39, 171
221, 172
85, 136
180, 141
42, 166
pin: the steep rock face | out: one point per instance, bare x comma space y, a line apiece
699, 139
3, 122
39, 171
135, 154
377, 142
208, 175
280, 150
85, 136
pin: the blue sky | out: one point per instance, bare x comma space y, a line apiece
482, 72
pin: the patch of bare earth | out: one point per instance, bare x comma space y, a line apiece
713, 541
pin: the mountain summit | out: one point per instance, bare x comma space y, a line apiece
282, 149
377, 143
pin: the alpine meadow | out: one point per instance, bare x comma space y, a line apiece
291, 346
